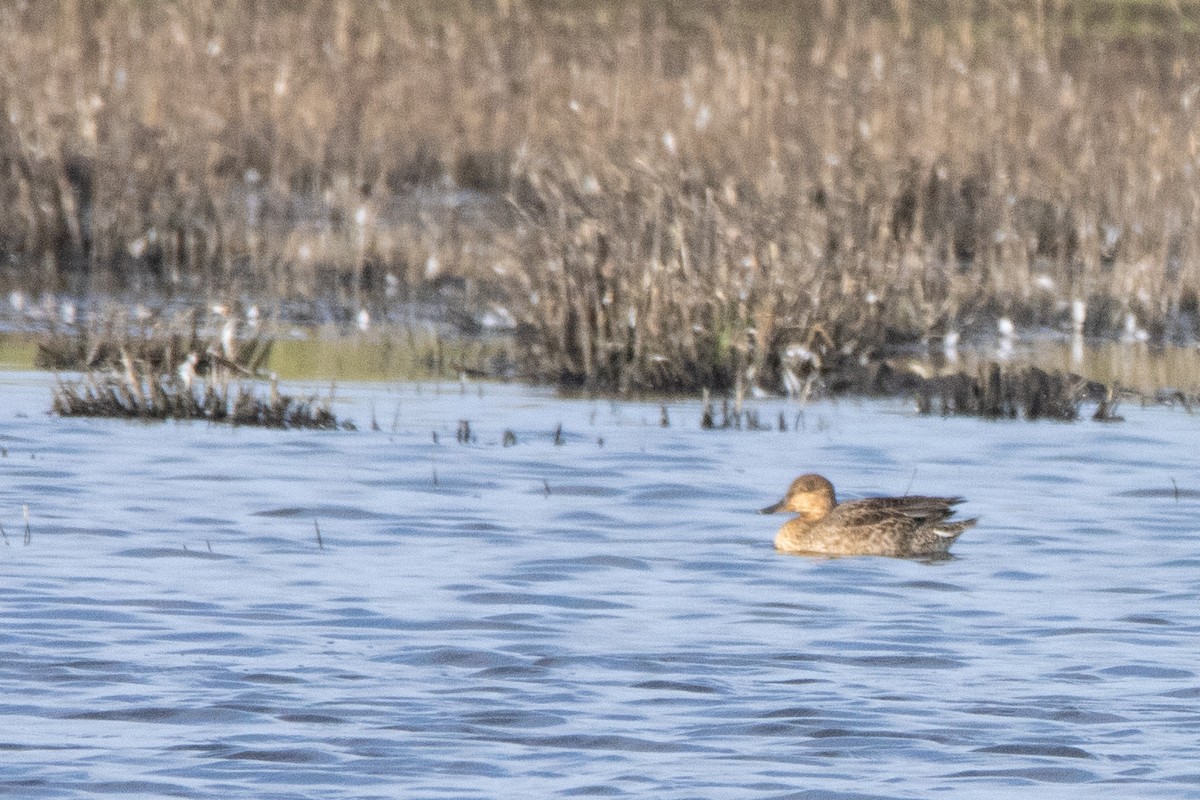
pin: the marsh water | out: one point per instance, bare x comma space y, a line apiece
602, 616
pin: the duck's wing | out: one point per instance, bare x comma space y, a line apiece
926, 510
912, 501
865, 514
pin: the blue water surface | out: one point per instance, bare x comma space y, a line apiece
600, 617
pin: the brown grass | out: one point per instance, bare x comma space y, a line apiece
161, 343
1000, 393
663, 195
177, 369
148, 396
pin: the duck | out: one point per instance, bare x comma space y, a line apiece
901, 527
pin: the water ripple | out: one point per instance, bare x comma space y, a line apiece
575, 620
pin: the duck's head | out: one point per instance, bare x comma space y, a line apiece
810, 496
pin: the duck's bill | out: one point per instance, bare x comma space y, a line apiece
773, 508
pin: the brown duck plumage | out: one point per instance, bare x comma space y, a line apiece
904, 527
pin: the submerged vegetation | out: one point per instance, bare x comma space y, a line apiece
663, 196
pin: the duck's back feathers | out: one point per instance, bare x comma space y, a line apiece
920, 510
916, 506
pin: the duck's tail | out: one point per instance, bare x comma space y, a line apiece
950, 530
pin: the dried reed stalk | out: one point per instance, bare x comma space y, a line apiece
664, 197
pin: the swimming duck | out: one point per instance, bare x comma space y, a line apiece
903, 527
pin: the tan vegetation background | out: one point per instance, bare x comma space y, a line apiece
659, 195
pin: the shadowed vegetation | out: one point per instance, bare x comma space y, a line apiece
160, 344
173, 369
149, 396
999, 393
652, 197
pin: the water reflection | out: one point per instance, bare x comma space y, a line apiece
325, 357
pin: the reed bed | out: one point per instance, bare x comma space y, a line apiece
247, 341
160, 343
149, 396
1027, 392
173, 368
653, 197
